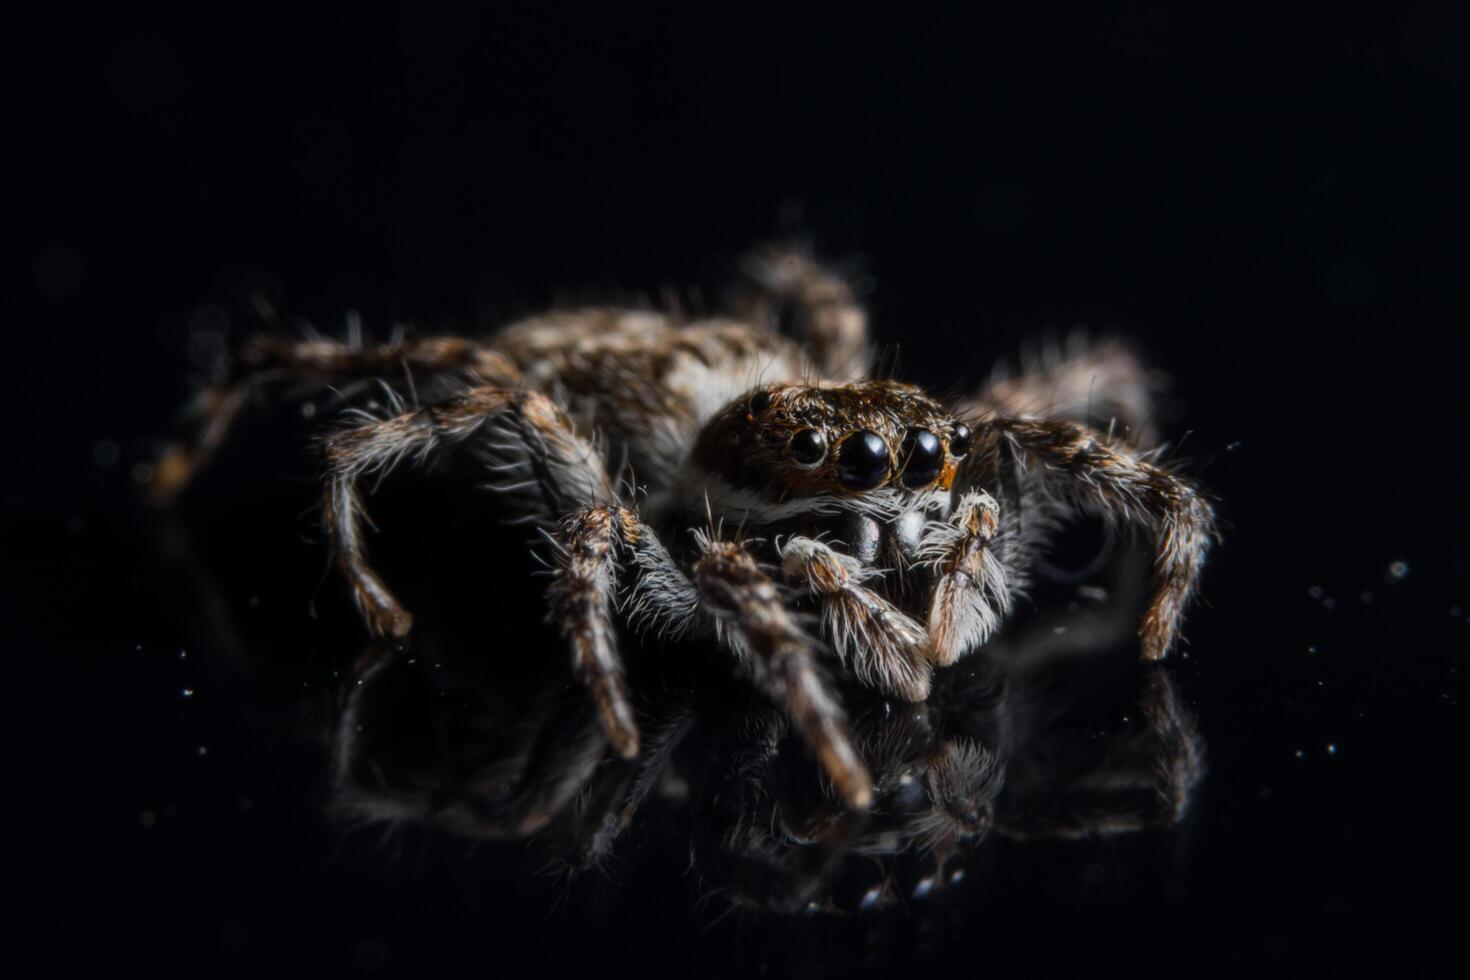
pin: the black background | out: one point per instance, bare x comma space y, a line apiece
1273, 207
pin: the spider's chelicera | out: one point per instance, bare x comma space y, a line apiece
720, 477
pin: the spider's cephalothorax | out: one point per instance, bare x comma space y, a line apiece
756, 475
879, 448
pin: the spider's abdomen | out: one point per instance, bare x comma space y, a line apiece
644, 382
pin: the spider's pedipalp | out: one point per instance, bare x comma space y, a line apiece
884, 647
970, 593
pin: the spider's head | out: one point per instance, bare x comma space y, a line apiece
877, 447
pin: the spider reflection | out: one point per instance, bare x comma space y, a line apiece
1008, 752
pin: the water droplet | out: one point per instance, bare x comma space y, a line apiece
1397, 571
1332, 748
204, 750
1299, 754
187, 692
106, 453
1316, 592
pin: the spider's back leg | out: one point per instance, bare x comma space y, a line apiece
210, 414
824, 313
546, 470
1102, 384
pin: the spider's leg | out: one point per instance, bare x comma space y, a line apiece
1147, 780
780, 658
826, 315
727, 583
963, 779
742, 835
1077, 468
582, 596
885, 647
526, 433
602, 552
210, 414
970, 594
1101, 384
604, 815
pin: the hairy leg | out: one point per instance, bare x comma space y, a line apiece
781, 659
970, 594
504, 783
885, 648
524, 437
1058, 464
604, 552
1147, 781
827, 316
1100, 384
211, 413
582, 595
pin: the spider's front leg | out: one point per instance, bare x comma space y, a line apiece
781, 658
885, 647
727, 583
1050, 463
970, 594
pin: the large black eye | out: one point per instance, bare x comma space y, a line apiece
862, 462
923, 457
759, 402
959, 441
808, 447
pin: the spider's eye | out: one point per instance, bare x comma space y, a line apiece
862, 462
759, 402
808, 447
959, 441
923, 457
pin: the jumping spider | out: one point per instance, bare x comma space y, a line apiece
718, 476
